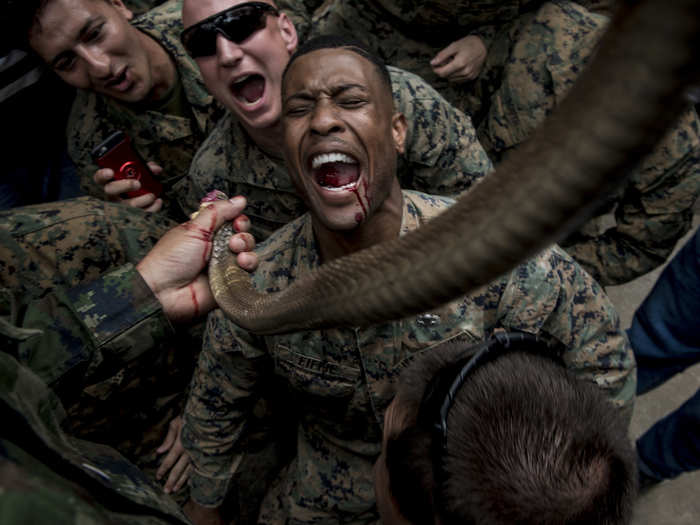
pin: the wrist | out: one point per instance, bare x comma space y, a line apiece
147, 276
153, 284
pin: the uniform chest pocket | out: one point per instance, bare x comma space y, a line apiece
314, 376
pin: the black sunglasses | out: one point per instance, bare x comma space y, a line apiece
236, 24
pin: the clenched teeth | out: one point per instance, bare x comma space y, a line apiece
325, 158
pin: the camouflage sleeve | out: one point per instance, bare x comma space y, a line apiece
552, 294
442, 153
49, 476
654, 211
222, 393
210, 168
489, 20
82, 134
141, 6
87, 331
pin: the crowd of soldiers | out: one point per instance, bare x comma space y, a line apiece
128, 397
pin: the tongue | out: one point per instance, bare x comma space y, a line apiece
252, 89
337, 174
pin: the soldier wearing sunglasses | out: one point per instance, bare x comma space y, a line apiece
241, 49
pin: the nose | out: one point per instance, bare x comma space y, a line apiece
325, 119
98, 62
227, 53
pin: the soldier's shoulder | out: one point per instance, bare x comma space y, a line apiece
216, 149
165, 17
426, 205
554, 267
405, 80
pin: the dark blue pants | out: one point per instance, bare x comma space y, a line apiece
665, 336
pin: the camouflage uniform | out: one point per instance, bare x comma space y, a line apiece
343, 379
47, 476
141, 6
300, 13
65, 243
442, 156
169, 140
408, 34
606, 7
535, 54
78, 314
645, 219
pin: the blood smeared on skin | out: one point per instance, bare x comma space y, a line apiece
360, 216
195, 303
204, 235
199, 233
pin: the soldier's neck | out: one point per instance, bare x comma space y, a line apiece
268, 139
383, 224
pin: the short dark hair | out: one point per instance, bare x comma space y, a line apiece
18, 18
340, 41
528, 443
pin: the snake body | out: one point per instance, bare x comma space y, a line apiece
615, 113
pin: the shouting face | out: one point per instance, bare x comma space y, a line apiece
341, 135
243, 72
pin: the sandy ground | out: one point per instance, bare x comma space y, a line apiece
677, 501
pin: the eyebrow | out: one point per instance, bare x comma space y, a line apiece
83, 30
335, 91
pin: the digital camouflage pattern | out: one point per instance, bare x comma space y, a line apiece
300, 12
141, 6
76, 312
442, 156
535, 54
637, 229
47, 476
649, 214
70, 242
606, 7
341, 380
408, 34
167, 139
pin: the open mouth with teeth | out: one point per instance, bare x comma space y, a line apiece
249, 89
335, 171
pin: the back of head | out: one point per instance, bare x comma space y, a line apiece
527, 443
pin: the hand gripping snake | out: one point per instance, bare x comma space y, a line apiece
619, 107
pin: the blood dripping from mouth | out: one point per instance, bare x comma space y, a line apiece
359, 216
